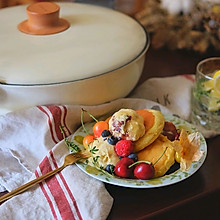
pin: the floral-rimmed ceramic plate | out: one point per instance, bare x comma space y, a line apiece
165, 180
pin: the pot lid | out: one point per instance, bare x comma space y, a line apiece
97, 40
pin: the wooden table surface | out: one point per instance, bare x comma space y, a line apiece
197, 197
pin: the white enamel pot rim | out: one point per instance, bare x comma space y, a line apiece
92, 91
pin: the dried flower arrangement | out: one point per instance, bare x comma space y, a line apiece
193, 27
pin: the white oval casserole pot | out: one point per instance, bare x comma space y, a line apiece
99, 57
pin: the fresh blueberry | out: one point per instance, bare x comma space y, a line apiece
112, 140
133, 156
110, 168
156, 107
105, 133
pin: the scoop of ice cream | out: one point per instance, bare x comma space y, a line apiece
127, 124
103, 152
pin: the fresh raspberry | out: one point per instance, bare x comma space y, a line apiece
123, 148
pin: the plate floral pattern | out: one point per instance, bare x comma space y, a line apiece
165, 180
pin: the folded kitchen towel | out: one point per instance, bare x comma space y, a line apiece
31, 144
173, 92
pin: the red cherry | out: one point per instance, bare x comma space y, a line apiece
144, 171
122, 168
170, 131
123, 148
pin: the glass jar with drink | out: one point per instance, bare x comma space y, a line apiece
206, 95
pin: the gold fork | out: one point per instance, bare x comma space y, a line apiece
69, 159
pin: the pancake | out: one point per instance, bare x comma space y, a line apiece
154, 124
155, 150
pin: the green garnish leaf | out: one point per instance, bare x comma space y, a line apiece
73, 147
93, 150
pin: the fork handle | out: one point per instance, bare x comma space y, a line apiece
30, 184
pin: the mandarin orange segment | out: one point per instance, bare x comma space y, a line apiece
108, 119
148, 116
153, 132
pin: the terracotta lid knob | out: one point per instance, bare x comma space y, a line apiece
43, 19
